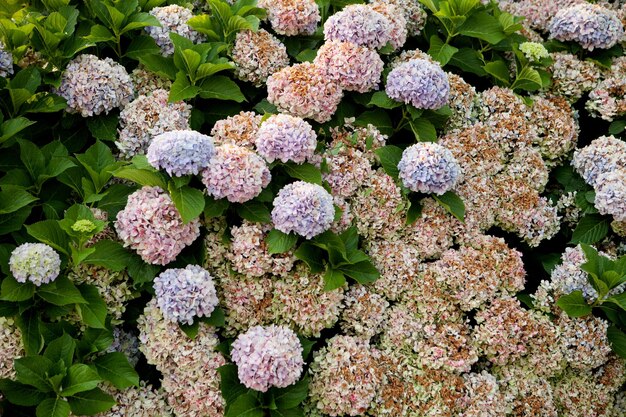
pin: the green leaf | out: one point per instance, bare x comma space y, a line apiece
452, 203
33, 370
221, 88
21, 394
291, 396
527, 79
61, 292
216, 319
305, 172
12, 290
389, 157
483, 26
99, 33
591, 229
279, 242
230, 386
53, 407
140, 20
191, 330
28, 324
94, 312
114, 367
109, 254
333, 279
363, 272
574, 304
12, 127
159, 65
441, 52
414, 212
254, 211
142, 45
50, 233
617, 338
469, 60
615, 128
32, 157
182, 89
499, 70
378, 118
423, 130
382, 100
91, 402
61, 348
188, 201
104, 127
142, 177
215, 208
80, 378
246, 405
312, 256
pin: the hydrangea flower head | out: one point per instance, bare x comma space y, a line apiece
420, 83
428, 168
93, 86
611, 194
353, 67
185, 293
173, 18
151, 225
84, 226
181, 152
268, 357
257, 55
601, 156
6, 61
397, 20
303, 208
591, 25
292, 17
305, 91
235, 173
534, 51
35, 262
286, 138
360, 24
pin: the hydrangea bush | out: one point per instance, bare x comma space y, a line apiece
313, 208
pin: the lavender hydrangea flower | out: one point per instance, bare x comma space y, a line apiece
428, 168
611, 194
292, 17
181, 152
420, 83
35, 262
268, 357
236, 173
286, 138
591, 25
151, 224
173, 18
92, 86
303, 208
6, 61
601, 156
183, 294
360, 24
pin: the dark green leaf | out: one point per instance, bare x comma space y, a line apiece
254, 211
91, 402
11, 201
94, 312
279, 242
80, 378
312, 256
230, 386
61, 292
363, 272
222, 88
452, 203
33, 370
591, 229
104, 126
215, 208
28, 324
618, 341
50, 233
499, 70
61, 348
389, 157
246, 405
21, 394
114, 367
142, 177
574, 304
382, 100
291, 396
483, 26
53, 407
109, 254
441, 52
527, 79
617, 127
333, 279
12, 290
182, 89
423, 130
188, 201
305, 172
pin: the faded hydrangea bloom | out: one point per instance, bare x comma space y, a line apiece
292, 17
359, 24
6, 61
420, 83
397, 20
151, 225
611, 194
235, 173
239, 129
286, 138
93, 86
146, 117
34, 262
303, 208
572, 77
268, 357
146, 81
11, 346
181, 152
173, 18
602, 155
303, 90
607, 98
533, 51
428, 167
257, 55
591, 25
142, 401
183, 294
353, 67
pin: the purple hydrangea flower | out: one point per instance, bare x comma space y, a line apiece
6, 61
181, 152
611, 194
360, 24
268, 357
303, 208
173, 18
183, 294
286, 138
428, 168
420, 83
34, 262
591, 25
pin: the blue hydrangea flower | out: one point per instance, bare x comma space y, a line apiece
428, 167
6, 61
303, 208
183, 294
286, 138
181, 152
35, 262
420, 83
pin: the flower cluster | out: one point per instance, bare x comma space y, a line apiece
173, 18
268, 357
146, 82
607, 98
534, 51
601, 156
292, 17
93, 86
257, 55
420, 83
303, 208
591, 25
151, 225
240, 129
235, 173
181, 152
6, 61
286, 138
428, 167
35, 262
359, 24
183, 294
